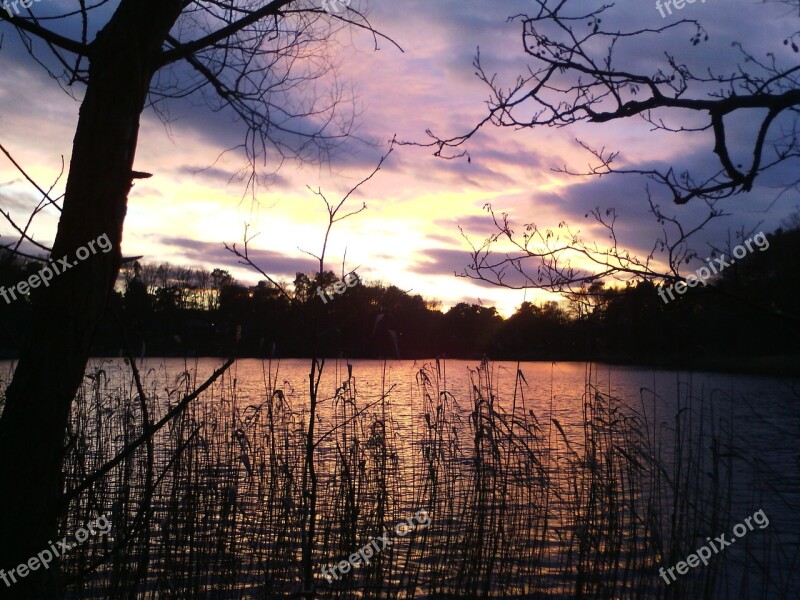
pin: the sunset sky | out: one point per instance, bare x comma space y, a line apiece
409, 234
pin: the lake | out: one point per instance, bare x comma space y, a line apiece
552, 480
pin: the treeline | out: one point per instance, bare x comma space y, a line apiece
751, 310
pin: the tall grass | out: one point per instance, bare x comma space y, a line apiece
523, 505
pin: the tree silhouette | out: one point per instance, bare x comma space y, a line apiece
260, 60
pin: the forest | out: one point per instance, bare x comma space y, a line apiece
168, 310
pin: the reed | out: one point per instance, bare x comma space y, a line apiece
523, 505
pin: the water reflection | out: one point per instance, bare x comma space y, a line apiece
541, 480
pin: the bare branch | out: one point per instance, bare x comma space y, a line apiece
48, 36
560, 261
575, 77
333, 216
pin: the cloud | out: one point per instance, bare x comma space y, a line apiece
480, 226
274, 263
439, 261
13, 200
219, 177
418, 201
441, 238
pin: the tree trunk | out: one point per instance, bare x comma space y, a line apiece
65, 314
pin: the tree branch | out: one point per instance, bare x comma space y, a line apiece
187, 49
48, 36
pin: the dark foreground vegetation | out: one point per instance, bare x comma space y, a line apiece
219, 503
748, 314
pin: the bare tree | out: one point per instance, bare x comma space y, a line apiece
259, 59
578, 73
